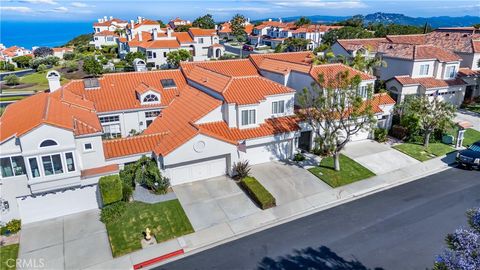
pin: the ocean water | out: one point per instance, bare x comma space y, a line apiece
29, 34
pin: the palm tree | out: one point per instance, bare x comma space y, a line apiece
374, 63
119, 31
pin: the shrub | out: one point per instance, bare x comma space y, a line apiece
12, 79
298, 157
380, 134
241, 169
41, 68
71, 66
258, 193
22, 61
110, 189
113, 212
127, 192
7, 66
92, 67
14, 225
42, 51
69, 56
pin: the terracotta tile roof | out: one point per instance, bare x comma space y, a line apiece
231, 68
98, 171
145, 22
183, 37
143, 88
271, 127
429, 82
292, 57
370, 44
282, 67
178, 20
466, 72
109, 22
331, 71
194, 31
454, 41
117, 91
162, 43
54, 109
410, 39
134, 145
382, 99
417, 52
177, 120
62, 49
252, 89
106, 33
226, 28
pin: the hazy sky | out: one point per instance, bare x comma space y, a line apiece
87, 10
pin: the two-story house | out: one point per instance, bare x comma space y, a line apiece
142, 25
178, 22
421, 70
108, 24
224, 30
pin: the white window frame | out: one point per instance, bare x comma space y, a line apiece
14, 174
278, 107
85, 147
450, 72
249, 119
424, 67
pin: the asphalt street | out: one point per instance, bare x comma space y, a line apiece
400, 228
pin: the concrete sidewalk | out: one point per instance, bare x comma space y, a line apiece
234, 229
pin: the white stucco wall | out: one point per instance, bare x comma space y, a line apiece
395, 67
90, 158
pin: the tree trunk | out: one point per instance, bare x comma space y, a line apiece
336, 159
426, 139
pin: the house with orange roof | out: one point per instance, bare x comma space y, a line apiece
60, 51
173, 23
108, 24
141, 25
224, 30
7, 54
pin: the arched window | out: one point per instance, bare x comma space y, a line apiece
47, 143
150, 98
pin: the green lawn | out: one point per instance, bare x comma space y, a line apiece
38, 79
166, 220
475, 107
471, 136
12, 98
350, 171
8, 255
419, 152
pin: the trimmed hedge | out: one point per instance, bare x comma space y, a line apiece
110, 189
258, 193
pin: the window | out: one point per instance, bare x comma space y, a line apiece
424, 69
278, 107
149, 54
34, 167
150, 98
451, 72
152, 114
200, 40
87, 147
12, 166
70, 162
149, 122
362, 91
110, 39
48, 143
52, 164
112, 131
154, 55
109, 119
248, 117
164, 54
168, 83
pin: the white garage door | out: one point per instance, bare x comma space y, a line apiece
57, 204
269, 152
361, 135
198, 171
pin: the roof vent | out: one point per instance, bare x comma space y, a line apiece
91, 83
205, 80
447, 34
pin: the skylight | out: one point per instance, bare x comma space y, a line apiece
168, 83
91, 83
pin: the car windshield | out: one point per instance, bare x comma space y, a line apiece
475, 147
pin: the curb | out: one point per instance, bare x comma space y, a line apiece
158, 259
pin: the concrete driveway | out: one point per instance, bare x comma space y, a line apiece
288, 182
213, 201
473, 118
70, 242
377, 157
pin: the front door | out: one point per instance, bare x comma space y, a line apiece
305, 140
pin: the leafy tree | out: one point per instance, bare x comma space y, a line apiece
119, 31
92, 66
293, 45
48, 61
162, 25
182, 28
42, 68
347, 32
12, 79
432, 114
22, 61
463, 246
4, 65
476, 26
69, 56
336, 111
238, 26
205, 22
175, 57
303, 21
145, 172
129, 57
71, 66
382, 30
81, 40
42, 52
328, 57
366, 65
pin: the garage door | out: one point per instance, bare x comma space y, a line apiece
269, 152
52, 205
361, 135
198, 171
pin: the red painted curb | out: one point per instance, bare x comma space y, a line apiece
158, 259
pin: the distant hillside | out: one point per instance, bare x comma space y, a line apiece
379, 17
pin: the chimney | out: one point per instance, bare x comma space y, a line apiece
169, 32
248, 20
129, 37
104, 18
132, 23
280, 19
53, 78
154, 34
139, 18
269, 20
100, 20
111, 18
140, 36
216, 27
